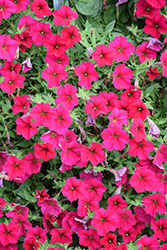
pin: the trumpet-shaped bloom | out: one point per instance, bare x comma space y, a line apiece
94, 188
152, 73
161, 155
11, 82
54, 74
155, 25
138, 110
44, 151
145, 53
40, 33
125, 219
122, 77
8, 47
137, 129
96, 107
145, 9
154, 203
160, 229
22, 104
94, 154
89, 238
140, 149
8, 234
118, 116
102, 55
148, 243
114, 137
64, 15
70, 36
86, 73
41, 8
33, 163
61, 235
104, 221
42, 114
54, 46
121, 49
63, 60
9, 67
15, 167
25, 127
73, 189
7, 8
142, 180
67, 96
21, 5
70, 152
61, 121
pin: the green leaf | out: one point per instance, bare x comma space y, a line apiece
109, 15
88, 8
110, 27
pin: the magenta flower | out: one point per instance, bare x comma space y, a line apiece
121, 49
8, 47
114, 137
102, 55
86, 73
161, 155
73, 189
122, 77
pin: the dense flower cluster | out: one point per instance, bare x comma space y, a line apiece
97, 223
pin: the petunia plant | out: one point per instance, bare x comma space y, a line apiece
83, 144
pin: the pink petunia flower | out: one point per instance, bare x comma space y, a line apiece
54, 46
148, 243
7, 8
145, 9
73, 189
64, 15
86, 73
145, 53
45, 151
70, 36
154, 203
94, 154
155, 25
8, 47
61, 235
96, 107
89, 238
104, 221
11, 82
140, 149
121, 49
122, 77
40, 33
102, 55
67, 96
41, 8
25, 127
161, 155
114, 137
54, 74
142, 180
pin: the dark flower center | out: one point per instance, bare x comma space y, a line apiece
58, 61
102, 219
34, 160
155, 202
143, 53
43, 112
163, 179
3, 46
2, 7
16, 165
115, 135
91, 188
72, 188
54, 74
86, 204
85, 74
11, 82
119, 49
15, 1
42, 32
110, 241
139, 109
140, 144
141, 177
39, 7
90, 237
160, 227
126, 234
138, 128
60, 118
129, 94
11, 69
19, 211
56, 46
71, 36
145, 248
7, 232
102, 55
148, 9
156, 26
95, 107
115, 202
